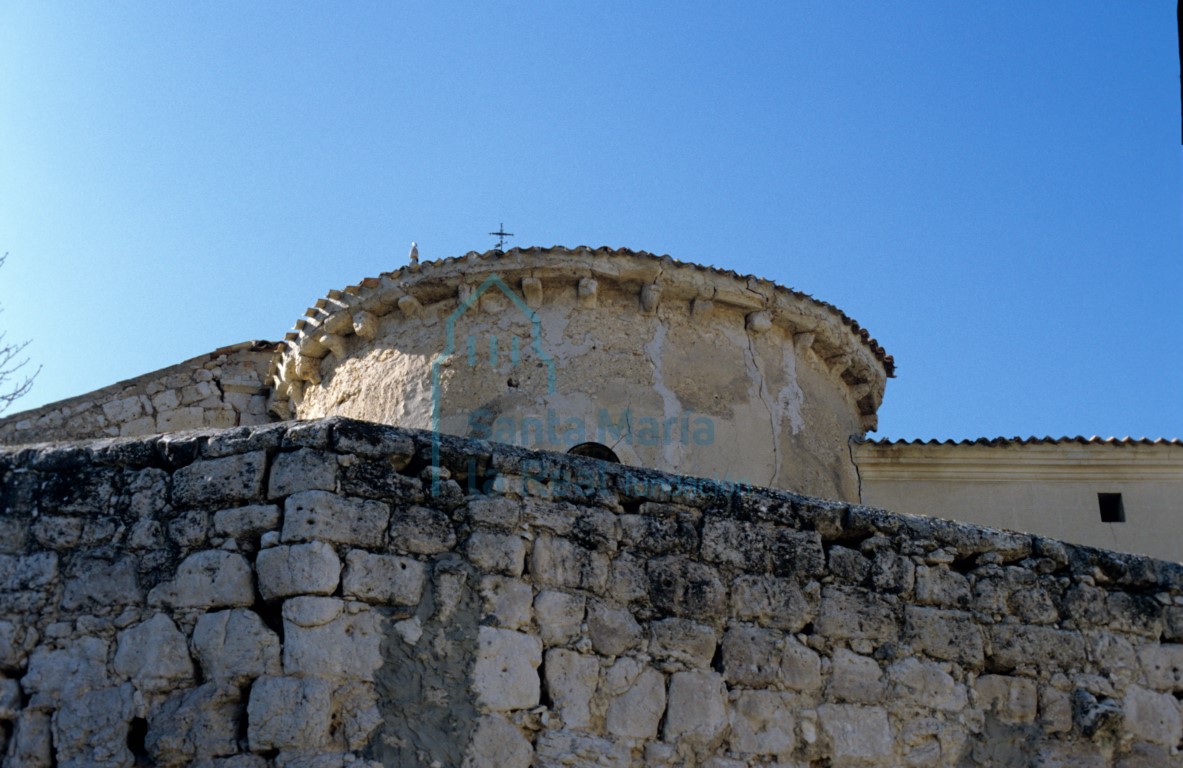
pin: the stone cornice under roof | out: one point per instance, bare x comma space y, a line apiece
852, 358
1021, 460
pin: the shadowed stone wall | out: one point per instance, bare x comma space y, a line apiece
295, 595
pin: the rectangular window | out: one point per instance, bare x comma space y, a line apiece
1112, 510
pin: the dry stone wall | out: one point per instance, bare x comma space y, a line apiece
225, 388
324, 594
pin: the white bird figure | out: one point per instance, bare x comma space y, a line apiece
414, 253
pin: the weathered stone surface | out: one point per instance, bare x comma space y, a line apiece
506, 602
697, 708
154, 655
636, 699
857, 735
504, 677
300, 569
91, 729
562, 749
388, 579
559, 616
683, 587
1011, 699
246, 522
1022, 646
571, 680
854, 678
612, 629
197, 723
762, 723
757, 658
235, 645
683, 642
497, 552
214, 482
1152, 716
924, 685
209, 579
496, 743
1163, 666
306, 469
330, 638
556, 562
947, 635
319, 515
58, 674
421, 530
771, 602
852, 613
289, 713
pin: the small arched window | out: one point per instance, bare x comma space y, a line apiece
595, 451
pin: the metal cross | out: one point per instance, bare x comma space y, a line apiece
501, 234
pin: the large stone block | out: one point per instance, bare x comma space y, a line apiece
771, 602
559, 616
154, 656
497, 552
331, 639
497, 743
762, 548
300, 569
505, 675
557, 562
612, 628
235, 645
216, 482
762, 723
857, 736
91, 729
196, 724
854, 678
1163, 666
209, 579
386, 579
571, 680
1023, 646
289, 713
1152, 716
636, 699
697, 709
246, 522
566, 749
683, 642
946, 635
421, 530
1011, 699
319, 515
682, 587
760, 658
923, 685
852, 613
306, 469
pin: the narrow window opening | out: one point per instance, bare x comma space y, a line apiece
1112, 510
595, 451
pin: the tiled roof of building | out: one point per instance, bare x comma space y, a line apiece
1004, 441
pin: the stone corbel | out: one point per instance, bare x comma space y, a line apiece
588, 288
759, 322
365, 324
650, 298
532, 289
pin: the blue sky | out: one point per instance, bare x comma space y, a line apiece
993, 189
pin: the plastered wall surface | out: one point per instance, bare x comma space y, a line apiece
296, 594
1046, 488
673, 366
225, 388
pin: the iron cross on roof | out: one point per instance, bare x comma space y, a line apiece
501, 234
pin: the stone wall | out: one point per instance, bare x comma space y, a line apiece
225, 388
317, 594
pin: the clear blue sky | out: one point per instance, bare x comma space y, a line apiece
993, 189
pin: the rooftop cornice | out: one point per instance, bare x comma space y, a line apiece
846, 347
